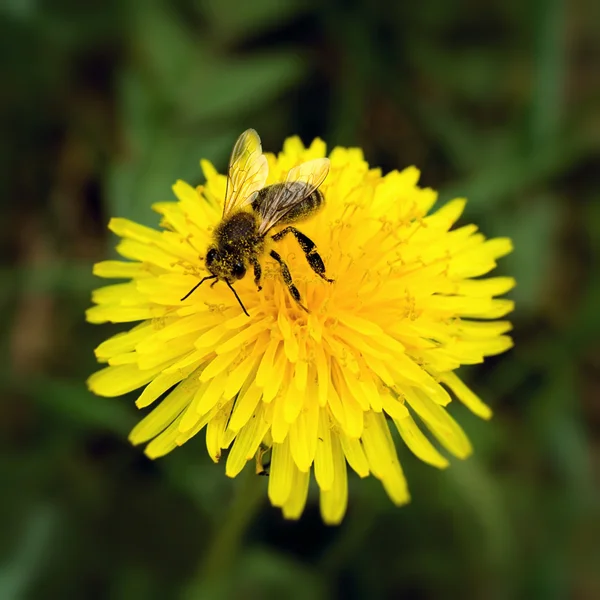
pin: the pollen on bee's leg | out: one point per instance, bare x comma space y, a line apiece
287, 279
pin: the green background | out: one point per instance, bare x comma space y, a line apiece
104, 104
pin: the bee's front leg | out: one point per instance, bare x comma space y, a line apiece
257, 272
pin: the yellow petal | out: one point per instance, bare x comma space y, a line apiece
324, 467
294, 505
219, 364
212, 393
116, 381
266, 364
419, 445
278, 378
303, 436
245, 405
159, 386
334, 501
466, 396
121, 314
323, 374
355, 454
123, 342
164, 442
165, 413
440, 423
118, 269
493, 286
215, 431
280, 427
281, 474
243, 337
245, 444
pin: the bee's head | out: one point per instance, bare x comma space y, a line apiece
224, 265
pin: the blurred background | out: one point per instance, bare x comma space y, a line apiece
104, 104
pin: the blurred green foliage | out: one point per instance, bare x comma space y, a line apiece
106, 103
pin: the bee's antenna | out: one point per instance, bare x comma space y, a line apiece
237, 297
197, 286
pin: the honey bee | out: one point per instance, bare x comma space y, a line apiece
251, 210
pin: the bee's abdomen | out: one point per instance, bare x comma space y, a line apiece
310, 205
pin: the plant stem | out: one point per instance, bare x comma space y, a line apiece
219, 558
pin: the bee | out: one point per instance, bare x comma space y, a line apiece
251, 210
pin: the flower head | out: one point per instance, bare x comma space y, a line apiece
319, 390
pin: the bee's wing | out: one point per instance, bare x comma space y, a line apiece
300, 183
248, 170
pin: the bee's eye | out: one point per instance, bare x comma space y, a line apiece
238, 270
211, 256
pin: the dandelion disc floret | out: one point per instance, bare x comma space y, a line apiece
319, 390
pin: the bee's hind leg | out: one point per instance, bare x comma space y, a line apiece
287, 279
257, 272
309, 248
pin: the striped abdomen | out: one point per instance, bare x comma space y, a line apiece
284, 203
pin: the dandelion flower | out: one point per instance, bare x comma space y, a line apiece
319, 390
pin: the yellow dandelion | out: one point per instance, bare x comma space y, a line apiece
316, 389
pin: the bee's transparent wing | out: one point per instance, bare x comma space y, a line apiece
300, 183
248, 170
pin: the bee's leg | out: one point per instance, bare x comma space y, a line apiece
309, 248
287, 279
257, 272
